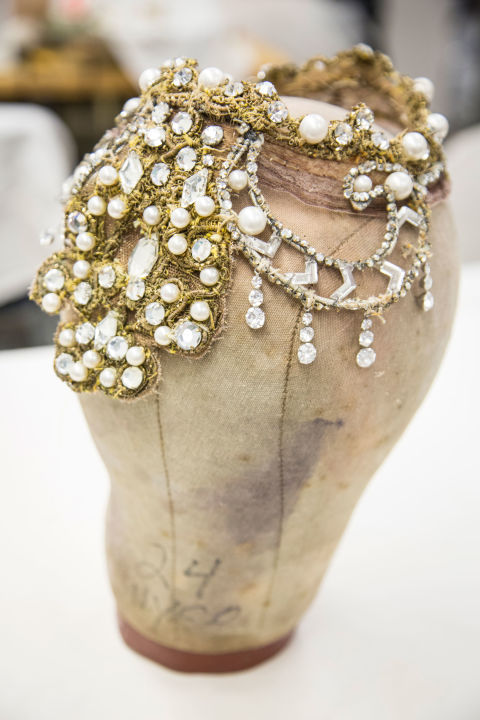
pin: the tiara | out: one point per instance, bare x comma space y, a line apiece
155, 215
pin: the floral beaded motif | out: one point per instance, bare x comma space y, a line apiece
150, 230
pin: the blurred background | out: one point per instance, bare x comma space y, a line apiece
67, 67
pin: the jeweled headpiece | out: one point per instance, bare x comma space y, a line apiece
155, 214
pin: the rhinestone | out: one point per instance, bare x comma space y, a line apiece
54, 280
306, 353
233, 89
63, 363
208, 160
187, 335
160, 112
181, 123
47, 238
306, 334
255, 317
182, 77
106, 277
380, 140
256, 281
427, 282
366, 338
366, 357
277, 112
154, 313
131, 105
117, 347
194, 187
201, 249
428, 301
266, 88
366, 324
135, 290
154, 137
132, 378
105, 330
343, 133
307, 318
255, 298
130, 172
84, 333
364, 119
186, 158
143, 258
212, 135
76, 222
83, 293
159, 174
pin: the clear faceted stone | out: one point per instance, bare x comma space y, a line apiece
366, 324
182, 77
135, 290
154, 313
208, 160
160, 112
201, 249
306, 353
257, 281
106, 277
366, 338
105, 330
255, 298
130, 172
343, 133
186, 158
380, 140
117, 347
306, 334
143, 258
187, 335
277, 112
266, 88
154, 137
364, 119
83, 293
427, 282
194, 187
47, 238
63, 363
132, 378
212, 135
255, 318
181, 123
54, 280
366, 357
428, 301
159, 174
307, 318
76, 222
233, 89
84, 333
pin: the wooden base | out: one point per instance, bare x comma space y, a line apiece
184, 661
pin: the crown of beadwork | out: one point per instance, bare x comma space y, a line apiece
149, 229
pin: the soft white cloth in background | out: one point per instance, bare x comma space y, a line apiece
463, 156
36, 155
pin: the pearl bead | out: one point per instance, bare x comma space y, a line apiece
252, 220
107, 175
177, 244
91, 358
135, 355
148, 77
81, 268
50, 302
96, 205
313, 128
209, 276
400, 184
425, 86
107, 377
162, 335
362, 183
204, 206
210, 77
438, 124
151, 215
179, 217
169, 292
78, 372
200, 310
238, 180
85, 241
66, 337
415, 146
116, 207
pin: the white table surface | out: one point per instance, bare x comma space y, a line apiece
394, 633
